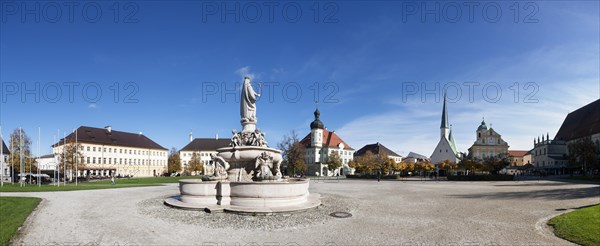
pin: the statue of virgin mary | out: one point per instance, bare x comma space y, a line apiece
248, 102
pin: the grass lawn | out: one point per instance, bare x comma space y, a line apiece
103, 184
13, 212
580, 226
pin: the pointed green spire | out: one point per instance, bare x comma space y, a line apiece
444, 114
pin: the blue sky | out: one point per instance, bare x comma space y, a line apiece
363, 56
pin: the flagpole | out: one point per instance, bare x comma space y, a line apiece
76, 158
58, 161
21, 157
65, 158
39, 157
55, 162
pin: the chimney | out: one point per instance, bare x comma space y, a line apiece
108, 129
141, 134
191, 138
217, 136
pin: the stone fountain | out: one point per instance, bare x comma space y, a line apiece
247, 176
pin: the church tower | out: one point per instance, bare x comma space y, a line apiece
316, 131
444, 129
446, 147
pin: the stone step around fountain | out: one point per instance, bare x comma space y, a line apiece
245, 197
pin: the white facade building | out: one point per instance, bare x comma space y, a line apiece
4, 169
47, 162
203, 147
105, 152
320, 144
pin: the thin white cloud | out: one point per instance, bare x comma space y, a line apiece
567, 78
92, 106
245, 72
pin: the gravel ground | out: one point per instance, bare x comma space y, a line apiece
320, 215
384, 213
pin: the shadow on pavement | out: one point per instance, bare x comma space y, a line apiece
550, 194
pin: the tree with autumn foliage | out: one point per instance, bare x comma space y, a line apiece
195, 164
447, 166
293, 153
364, 164
70, 158
174, 161
20, 147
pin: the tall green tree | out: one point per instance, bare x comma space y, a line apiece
293, 153
174, 161
20, 145
334, 162
582, 154
495, 163
470, 164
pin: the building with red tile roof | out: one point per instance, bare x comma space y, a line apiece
320, 143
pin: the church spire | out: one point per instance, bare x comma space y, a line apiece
444, 114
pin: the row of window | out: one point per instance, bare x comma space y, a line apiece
121, 161
204, 162
123, 151
340, 152
202, 154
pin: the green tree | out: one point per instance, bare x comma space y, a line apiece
20, 146
195, 165
333, 161
470, 165
174, 161
293, 153
495, 163
582, 154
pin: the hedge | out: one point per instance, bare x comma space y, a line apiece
496, 177
372, 176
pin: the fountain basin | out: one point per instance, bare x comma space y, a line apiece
245, 197
198, 192
269, 194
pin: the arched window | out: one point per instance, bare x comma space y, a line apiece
479, 135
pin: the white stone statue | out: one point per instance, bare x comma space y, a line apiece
221, 166
263, 166
248, 102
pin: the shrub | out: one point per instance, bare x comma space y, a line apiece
496, 177
371, 176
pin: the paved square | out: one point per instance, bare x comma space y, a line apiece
383, 213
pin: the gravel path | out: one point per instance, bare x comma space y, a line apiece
383, 213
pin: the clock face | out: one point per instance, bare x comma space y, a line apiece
341, 145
